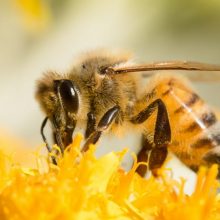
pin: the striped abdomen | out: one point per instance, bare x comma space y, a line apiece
194, 126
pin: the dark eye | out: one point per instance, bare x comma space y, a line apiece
69, 96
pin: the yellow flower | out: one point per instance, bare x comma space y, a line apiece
85, 187
35, 14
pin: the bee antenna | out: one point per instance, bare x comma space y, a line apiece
45, 139
42, 134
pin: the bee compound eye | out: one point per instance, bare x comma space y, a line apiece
69, 96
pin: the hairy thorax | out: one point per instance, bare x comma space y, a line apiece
99, 93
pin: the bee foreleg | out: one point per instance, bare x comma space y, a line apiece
103, 125
162, 133
57, 133
63, 129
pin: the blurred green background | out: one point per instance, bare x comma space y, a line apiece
39, 35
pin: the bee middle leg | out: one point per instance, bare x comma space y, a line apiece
103, 125
162, 136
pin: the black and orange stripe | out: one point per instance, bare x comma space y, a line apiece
194, 126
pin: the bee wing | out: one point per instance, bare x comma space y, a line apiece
204, 76
194, 76
196, 67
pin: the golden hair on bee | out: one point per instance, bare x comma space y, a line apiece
105, 91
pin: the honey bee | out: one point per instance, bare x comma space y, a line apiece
105, 92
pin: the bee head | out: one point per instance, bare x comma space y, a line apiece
59, 99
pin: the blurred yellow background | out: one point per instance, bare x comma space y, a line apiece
39, 35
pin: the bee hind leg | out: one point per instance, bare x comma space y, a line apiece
162, 135
143, 155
